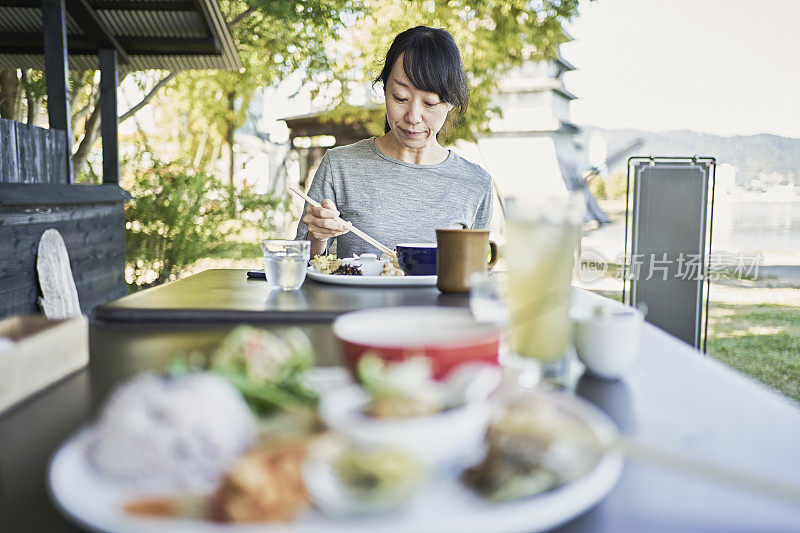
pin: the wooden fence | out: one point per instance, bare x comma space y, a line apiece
35, 195
29, 154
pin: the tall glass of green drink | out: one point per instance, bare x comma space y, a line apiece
542, 241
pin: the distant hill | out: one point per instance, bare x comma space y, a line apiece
751, 154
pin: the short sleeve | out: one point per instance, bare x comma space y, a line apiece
483, 218
321, 188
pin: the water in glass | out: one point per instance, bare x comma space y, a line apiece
285, 263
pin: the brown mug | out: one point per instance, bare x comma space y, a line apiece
459, 254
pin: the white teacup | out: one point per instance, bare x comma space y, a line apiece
607, 339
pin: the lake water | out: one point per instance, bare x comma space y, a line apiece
773, 228
747, 227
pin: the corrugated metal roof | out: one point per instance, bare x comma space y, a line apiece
154, 24
208, 42
28, 20
90, 62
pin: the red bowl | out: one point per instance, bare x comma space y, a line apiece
449, 337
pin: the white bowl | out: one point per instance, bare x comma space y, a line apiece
452, 436
607, 342
369, 264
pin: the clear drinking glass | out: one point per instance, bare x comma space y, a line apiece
488, 298
285, 263
542, 240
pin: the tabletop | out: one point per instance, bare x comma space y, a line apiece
220, 295
673, 398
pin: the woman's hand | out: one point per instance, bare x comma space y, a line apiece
323, 223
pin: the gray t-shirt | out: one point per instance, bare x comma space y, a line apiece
394, 201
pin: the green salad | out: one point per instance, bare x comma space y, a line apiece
266, 367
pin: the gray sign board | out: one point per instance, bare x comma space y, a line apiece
669, 244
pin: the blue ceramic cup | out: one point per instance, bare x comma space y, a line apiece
417, 258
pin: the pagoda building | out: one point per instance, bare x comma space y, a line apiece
533, 148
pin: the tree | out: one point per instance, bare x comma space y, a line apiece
274, 39
24, 92
337, 43
493, 35
177, 216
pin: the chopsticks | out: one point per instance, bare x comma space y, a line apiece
709, 470
696, 466
385, 249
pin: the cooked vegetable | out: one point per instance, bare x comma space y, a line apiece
391, 267
377, 471
348, 270
404, 388
265, 485
532, 448
326, 264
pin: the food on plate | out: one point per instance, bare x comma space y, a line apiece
374, 472
391, 267
402, 388
344, 479
168, 507
348, 270
268, 368
400, 406
326, 263
265, 485
329, 264
533, 447
407, 388
170, 434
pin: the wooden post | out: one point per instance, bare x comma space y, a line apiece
108, 114
56, 66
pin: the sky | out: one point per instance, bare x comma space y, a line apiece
726, 67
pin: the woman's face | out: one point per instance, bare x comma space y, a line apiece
414, 116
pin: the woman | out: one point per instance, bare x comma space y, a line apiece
404, 185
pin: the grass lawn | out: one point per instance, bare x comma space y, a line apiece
761, 340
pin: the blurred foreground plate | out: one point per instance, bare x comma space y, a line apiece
95, 503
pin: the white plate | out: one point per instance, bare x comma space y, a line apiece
95, 503
373, 281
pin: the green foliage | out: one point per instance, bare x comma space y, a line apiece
273, 39
493, 36
34, 84
598, 188
341, 43
616, 185
371, 118
178, 216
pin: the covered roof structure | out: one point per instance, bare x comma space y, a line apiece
315, 124
37, 189
146, 34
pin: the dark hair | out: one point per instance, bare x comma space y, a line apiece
432, 62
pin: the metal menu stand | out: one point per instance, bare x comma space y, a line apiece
668, 221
